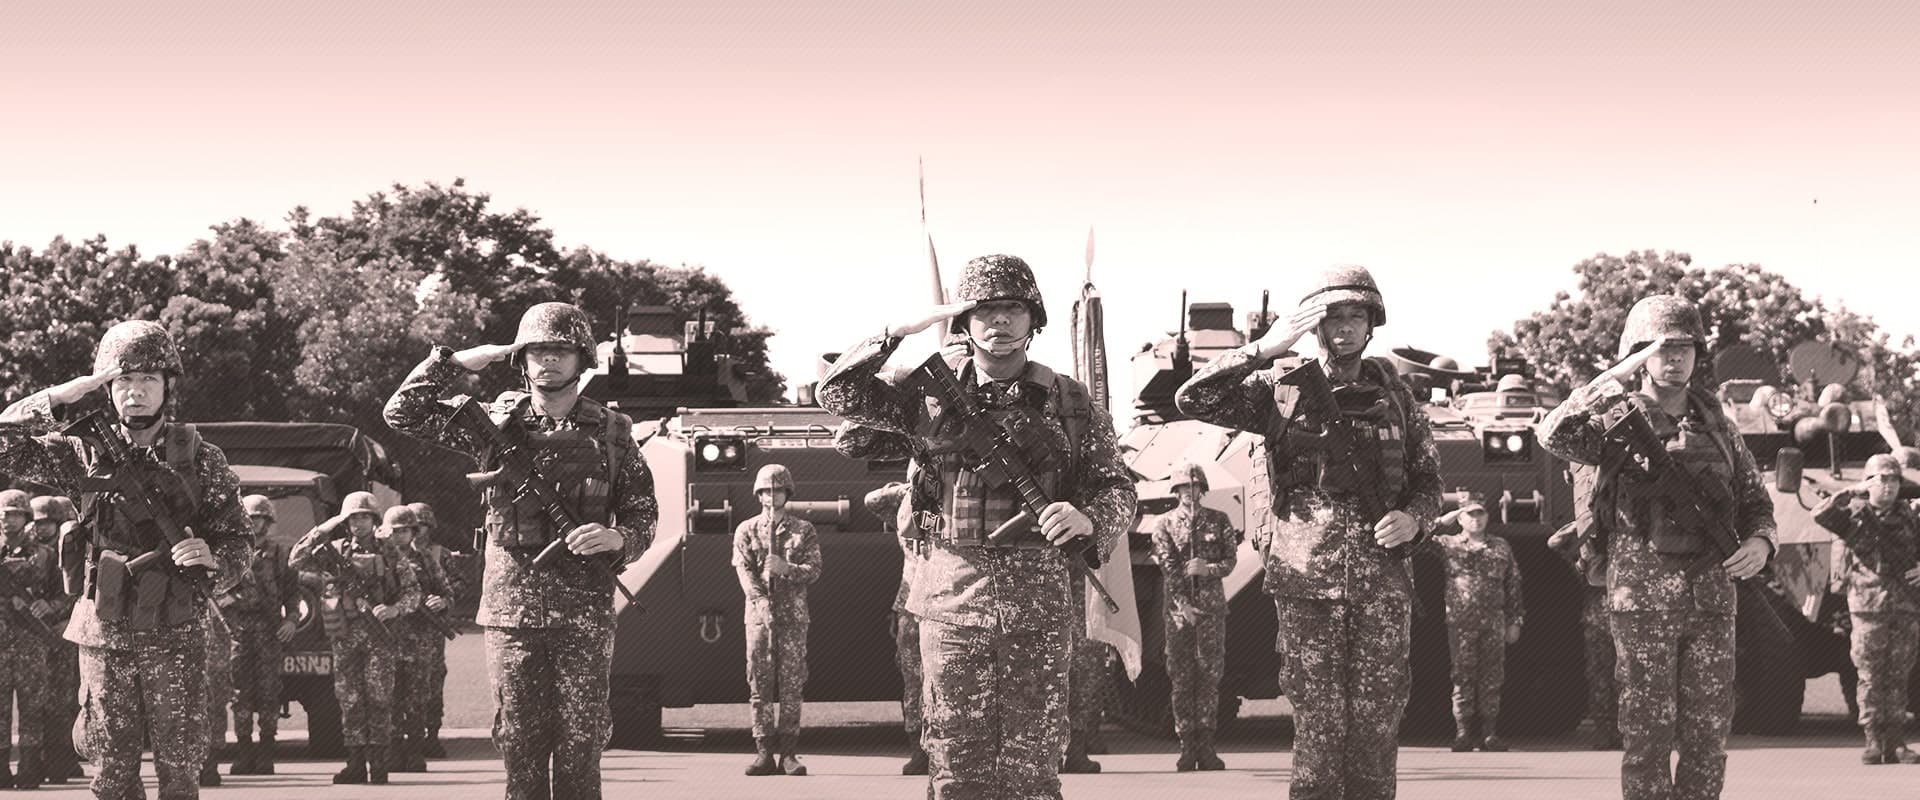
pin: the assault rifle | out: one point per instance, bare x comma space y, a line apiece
347, 579
9, 591
1002, 454
1345, 457
517, 470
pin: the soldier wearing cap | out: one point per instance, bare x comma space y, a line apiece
263, 609
1883, 591
440, 596
50, 513
33, 586
1484, 615
996, 615
1196, 547
1336, 557
142, 637
1672, 628
777, 556
549, 629
893, 505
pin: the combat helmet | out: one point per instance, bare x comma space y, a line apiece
13, 500
1883, 464
423, 514
1511, 383
47, 507
559, 322
1661, 315
1470, 501
1188, 472
257, 505
1350, 283
360, 503
137, 345
400, 516
773, 476
999, 277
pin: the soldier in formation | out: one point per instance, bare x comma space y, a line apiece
262, 609
219, 689
420, 641
50, 513
1603, 697
142, 635
1337, 557
1484, 615
1089, 679
777, 556
1195, 547
549, 636
995, 614
367, 585
433, 678
892, 505
30, 586
1882, 575
1672, 627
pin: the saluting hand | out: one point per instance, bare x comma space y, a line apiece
474, 359
1061, 522
939, 313
1629, 366
593, 538
1281, 337
71, 391
1395, 529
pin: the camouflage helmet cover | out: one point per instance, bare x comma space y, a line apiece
400, 516
360, 503
1350, 283
1471, 501
137, 346
13, 500
773, 476
423, 513
257, 505
1187, 472
1883, 464
1661, 315
559, 322
49, 507
999, 277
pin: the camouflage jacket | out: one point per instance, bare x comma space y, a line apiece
1026, 589
430, 567
267, 593
1483, 582
1880, 547
514, 593
1205, 534
30, 568
769, 596
1638, 578
30, 449
1322, 544
401, 591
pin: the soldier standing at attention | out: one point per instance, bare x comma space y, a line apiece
263, 609
777, 556
1883, 592
35, 594
1089, 681
549, 628
891, 504
1484, 615
368, 585
142, 641
995, 616
1195, 547
434, 686
1673, 629
50, 514
420, 641
1603, 698
1337, 565
219, 690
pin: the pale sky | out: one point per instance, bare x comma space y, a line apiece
1469, 153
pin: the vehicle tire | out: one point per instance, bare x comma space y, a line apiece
636, 717
1769, 679
1145, 706
323, 724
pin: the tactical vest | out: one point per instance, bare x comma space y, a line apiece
156, 597
254, 594
969, 509
1296, 468
1695, 447
580, 463
371, 580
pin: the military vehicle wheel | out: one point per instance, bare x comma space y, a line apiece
323, 724
636, 716
1770, 681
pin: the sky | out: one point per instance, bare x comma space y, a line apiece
1468, 153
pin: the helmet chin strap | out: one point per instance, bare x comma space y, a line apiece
1003, 348
1351, 358
139, 422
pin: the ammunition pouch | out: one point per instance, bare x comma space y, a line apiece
151, 599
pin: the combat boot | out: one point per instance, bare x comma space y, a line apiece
1204, 755
263, 757
1464, 735
1189, 755
763, 763
1077, 762
1097, 741
1493, 744
431, 748
30, 771
377, 765
242, 756
790, 763
916, 763
210, 772
408, 757
356, 771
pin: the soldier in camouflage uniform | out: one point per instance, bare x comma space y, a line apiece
50, 513
434, 680
142, 638
367, 585
1195, 547
1336, 558
219, 691
892, 505
263, 609
1673, 629
1089, 679
1883, 592
35, 594
996, 616
1603, 698
777, 556
549, 634
420, 641
1484, 615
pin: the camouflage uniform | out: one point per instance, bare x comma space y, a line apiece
1194, 612
1603, 696
1089, 681
1483, 600
63, 657
24, 654
1344, 603
777, 620
364, 648
1881, 546
219, 691
995, 621
267, 595
422, 665
549, 631
1673, 632
891, 505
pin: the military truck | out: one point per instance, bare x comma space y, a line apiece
306, 469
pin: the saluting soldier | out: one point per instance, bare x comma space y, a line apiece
34, 592
50, 514
142, 639
434, 679
549, 628
995, 615
1882, 573
1195, 547
1336, 558
263, 609
421, 642
1673, 629
1484, 615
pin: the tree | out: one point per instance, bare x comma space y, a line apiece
59, 300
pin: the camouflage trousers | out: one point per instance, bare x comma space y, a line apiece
1196, 656
63, 701
550, 708
906, 653
23, 674
1089, 681
418, 674
219, 686
776, 676
155, 691
1884, 647
1603, 698
1675, 675
996, 711
1347, 669
256, 682
363, 663
1478, 655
